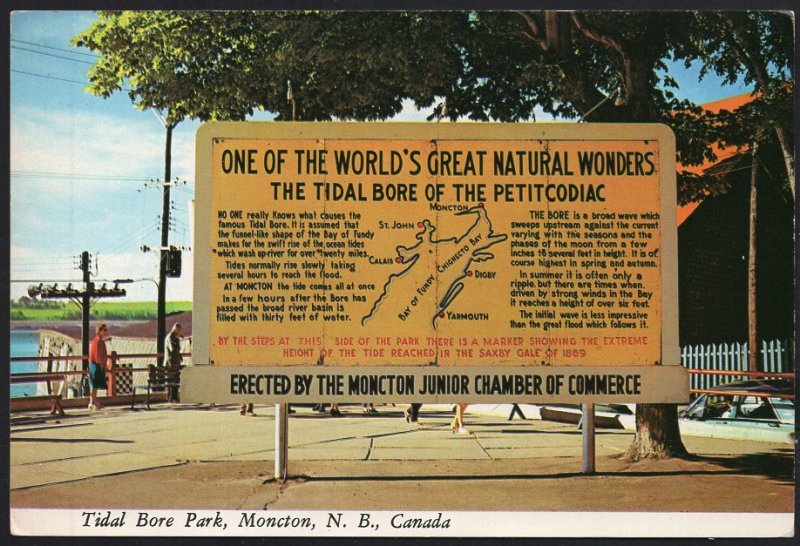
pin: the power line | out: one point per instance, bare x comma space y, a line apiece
76, 176
124, 88
129, 243
131, 236
43, 258
20, 48
41, 270
40, 259
48, 77
63, 262
132, 246
134, 238
92, 55
37, 261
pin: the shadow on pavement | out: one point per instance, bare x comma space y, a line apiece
71, 440
511, 477
559, 432
50, 427
778, 465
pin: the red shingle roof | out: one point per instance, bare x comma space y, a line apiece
722, 152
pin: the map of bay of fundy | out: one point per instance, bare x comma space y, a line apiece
436, 271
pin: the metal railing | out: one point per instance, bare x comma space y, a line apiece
754, 375
50, 376
708, 366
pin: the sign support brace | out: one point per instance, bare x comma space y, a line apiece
281, 441
587, 421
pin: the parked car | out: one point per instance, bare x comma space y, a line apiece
737, 407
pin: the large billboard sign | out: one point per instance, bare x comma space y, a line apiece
450, 245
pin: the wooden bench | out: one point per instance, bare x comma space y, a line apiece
158, 378
32, 402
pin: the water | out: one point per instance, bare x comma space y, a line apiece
24, 343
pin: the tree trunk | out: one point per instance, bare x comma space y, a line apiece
752, 338
787, 157
657, 433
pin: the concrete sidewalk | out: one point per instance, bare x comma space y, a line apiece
81, 445
120, 458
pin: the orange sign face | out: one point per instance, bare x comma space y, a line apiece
409, 248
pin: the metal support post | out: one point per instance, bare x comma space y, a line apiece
281, 441
588, 438
86, 302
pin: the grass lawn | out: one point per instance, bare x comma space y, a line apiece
103, 310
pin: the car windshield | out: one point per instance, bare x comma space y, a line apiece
695, 410
717, 406
784, 409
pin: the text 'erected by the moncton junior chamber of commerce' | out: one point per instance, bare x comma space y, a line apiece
448, 251
426, 384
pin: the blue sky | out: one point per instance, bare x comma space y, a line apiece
81, 165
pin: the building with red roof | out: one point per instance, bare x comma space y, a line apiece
713, 250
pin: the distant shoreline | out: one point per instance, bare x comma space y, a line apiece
18, 325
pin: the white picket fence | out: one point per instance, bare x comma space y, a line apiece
776, 356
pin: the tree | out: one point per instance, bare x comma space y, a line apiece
602, 67
181, 65
598, 66
757, 46
355, 65
221, 65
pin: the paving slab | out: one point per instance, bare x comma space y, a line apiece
465, 451
198, 451
355, 453
267, 456
428, 438
87, 467
25, 451
533, 453
523, 441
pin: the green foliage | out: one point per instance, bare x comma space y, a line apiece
190, 64
609, 66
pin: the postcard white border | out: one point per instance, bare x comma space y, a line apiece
372, 523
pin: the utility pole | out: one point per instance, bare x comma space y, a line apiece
85, 306
166, 254
81, 298
164, 250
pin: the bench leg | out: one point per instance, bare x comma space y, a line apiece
516, 410
56, 408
